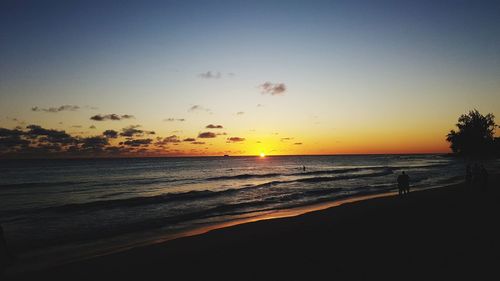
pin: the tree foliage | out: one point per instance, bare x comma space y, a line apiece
475, 137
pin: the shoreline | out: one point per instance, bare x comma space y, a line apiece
110, 246
273, 218
203, 229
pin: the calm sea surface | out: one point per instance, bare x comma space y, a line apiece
57, 205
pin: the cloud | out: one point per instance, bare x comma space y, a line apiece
260, 105
286, 139
76, 126
110, 134
11, 139
56, 109
272, 89
298, 143
195, 108
92, 127
235, 139
207, 135
36, 141
174, 119
137, 142
210, 75
49, 135
170, 139
212, 126
131, 131
198, 142
189, 139
94, 144
112, 116
240, 113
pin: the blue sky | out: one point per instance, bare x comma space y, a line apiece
350, 67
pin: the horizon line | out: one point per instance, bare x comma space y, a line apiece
220, 156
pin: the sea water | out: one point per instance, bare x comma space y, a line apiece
84, 203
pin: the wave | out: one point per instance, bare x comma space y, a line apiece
322, 172
244, 176
325, 179
205, 194
39, 184
116, 182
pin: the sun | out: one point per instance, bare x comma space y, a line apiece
262, 155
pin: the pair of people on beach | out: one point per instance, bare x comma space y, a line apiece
403, 183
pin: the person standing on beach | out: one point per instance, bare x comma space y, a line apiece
403, 183
406, 183
400, 180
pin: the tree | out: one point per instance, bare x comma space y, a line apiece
475, 135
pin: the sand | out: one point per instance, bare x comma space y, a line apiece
438, 234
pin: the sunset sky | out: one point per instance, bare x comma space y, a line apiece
279, 77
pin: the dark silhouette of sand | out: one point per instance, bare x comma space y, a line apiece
441, 234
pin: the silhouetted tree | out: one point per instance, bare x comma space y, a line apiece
475, 135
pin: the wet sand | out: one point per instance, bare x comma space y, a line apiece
439, 234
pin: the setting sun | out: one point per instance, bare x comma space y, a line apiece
262, 155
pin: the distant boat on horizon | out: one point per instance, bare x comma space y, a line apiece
225, 155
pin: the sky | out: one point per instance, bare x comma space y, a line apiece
187, 78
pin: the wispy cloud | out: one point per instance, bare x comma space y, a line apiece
56, 109
235, 139
174, 119
112, 116
272, 89
197, 107
212, 126
138, 142
298, 143
210, 75
174, 139
240, 113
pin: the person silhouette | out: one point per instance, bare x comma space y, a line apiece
406, 183
403, 183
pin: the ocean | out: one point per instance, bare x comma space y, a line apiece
55, 210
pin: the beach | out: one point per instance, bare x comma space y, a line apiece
437, 234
